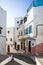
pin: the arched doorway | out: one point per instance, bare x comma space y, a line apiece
8, 48
18, 47
15, 45
29, 47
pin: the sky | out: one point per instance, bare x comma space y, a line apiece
14, 8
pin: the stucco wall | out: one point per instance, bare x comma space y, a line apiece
10, 35
3, 31
38, 19
2, 45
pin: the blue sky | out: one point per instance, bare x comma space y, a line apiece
14, 8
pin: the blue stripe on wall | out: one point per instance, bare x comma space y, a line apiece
37, 3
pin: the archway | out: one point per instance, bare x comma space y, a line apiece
8, 48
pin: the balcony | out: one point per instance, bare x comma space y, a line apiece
20, 37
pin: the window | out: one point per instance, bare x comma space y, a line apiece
0, 31
8, 32
26, 31
21, 22
10, 39
17, 21
30, 29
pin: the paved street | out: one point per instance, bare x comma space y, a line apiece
18, 60
3, 57
21, 60
12, 62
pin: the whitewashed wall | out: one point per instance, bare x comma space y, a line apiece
10, 35
16, 31
29, 22
29, 17
3, 33
38, 19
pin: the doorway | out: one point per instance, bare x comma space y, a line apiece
18, 47
21, 45
29, 48
15, 45
24, 46
8, 48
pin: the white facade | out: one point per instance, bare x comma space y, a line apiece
3, 31
35, 18
35, 23
10, 39
10, 34
30, 22
17, 26
38, 24
38, 19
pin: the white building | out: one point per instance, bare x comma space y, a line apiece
17, 23
21, 34
31, 39
2, 31
33, 32
10, 40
